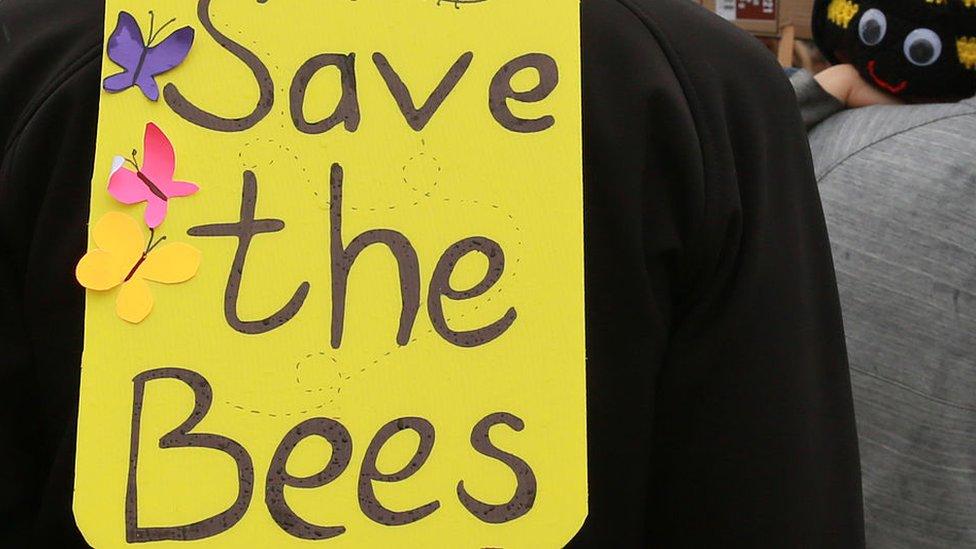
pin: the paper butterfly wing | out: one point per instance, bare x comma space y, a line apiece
171, 263
100, 271
128, 188
125, 48
159, 158
163, 57
160, 164
121, 236
156, 209
170, 52
135, 301
118, 82
119, 245
176, 189
148, 85
125, 186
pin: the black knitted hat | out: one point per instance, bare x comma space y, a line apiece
919, 50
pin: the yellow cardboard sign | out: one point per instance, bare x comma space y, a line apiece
336, 276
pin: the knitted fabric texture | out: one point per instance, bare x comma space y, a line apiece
918, 50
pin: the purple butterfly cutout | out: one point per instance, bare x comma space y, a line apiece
141, 60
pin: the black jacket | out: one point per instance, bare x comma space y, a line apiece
720, 410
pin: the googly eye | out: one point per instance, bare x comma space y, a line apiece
873, 27
923, 47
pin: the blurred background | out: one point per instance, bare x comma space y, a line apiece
783, 25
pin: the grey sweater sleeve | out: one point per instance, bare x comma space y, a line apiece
816, 105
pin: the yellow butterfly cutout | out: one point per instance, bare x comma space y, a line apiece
123, 258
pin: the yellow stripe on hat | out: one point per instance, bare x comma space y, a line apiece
966, 47
840, 12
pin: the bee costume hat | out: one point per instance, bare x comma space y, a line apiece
918, 50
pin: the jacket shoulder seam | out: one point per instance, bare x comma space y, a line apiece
688, 89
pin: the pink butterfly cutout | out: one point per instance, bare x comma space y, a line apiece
153, 181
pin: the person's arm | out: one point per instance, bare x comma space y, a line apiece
816, 104
832, 90
753, 433
49, 69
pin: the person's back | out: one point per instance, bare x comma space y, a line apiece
718, 395
899, 191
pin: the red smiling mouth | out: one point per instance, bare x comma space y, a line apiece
891, 88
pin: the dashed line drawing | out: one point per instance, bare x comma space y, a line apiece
335, 389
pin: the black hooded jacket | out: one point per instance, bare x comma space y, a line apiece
719, 406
